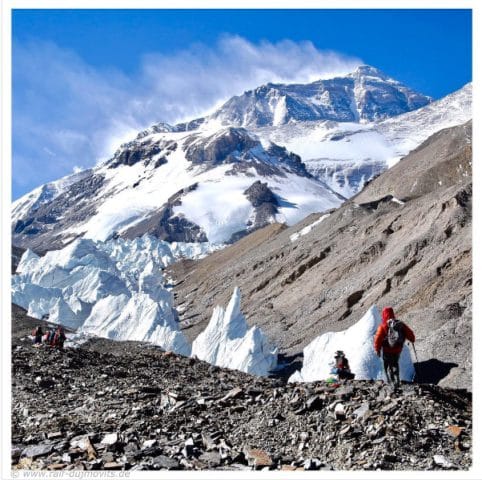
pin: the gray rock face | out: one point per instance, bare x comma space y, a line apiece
415, 256
237, 147
42, 229
220, 148
130, 406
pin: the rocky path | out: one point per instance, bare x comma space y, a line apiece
128, 406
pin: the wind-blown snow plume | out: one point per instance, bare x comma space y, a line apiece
227, 341
357, 343
106, 107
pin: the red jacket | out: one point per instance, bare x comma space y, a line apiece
382, 331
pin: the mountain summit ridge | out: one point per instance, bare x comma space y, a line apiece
365, 95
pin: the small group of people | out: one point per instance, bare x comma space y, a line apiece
388, 343
53, 337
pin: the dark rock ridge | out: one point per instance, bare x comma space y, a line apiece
130, 406
415, 256
237, 147
147, 151
265, 204
42, 229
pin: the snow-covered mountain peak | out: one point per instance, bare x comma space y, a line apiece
366, 94
275, 153
369, 71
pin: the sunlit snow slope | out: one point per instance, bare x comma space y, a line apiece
201, 186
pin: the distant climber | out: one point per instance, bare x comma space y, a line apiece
37, 334
59, 338
49, 336
341, 367
390, 337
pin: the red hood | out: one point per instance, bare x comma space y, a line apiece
387, 314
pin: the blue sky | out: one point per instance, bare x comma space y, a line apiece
86, 80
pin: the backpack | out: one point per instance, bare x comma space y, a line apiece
395, 336
51, 336
341, 363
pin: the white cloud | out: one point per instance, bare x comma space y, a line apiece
68, 113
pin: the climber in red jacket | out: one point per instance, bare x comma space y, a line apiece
391, 335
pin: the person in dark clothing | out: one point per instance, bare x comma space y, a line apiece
49, 337
390, 337
59, 338
37, 334
342, 367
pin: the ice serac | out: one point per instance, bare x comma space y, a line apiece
138, 317
114, 289
227, 341
357, 343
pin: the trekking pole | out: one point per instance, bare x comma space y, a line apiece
415, 352
416, 358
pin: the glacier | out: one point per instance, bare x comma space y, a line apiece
357, 343
114, 289
117, 289
227, 341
